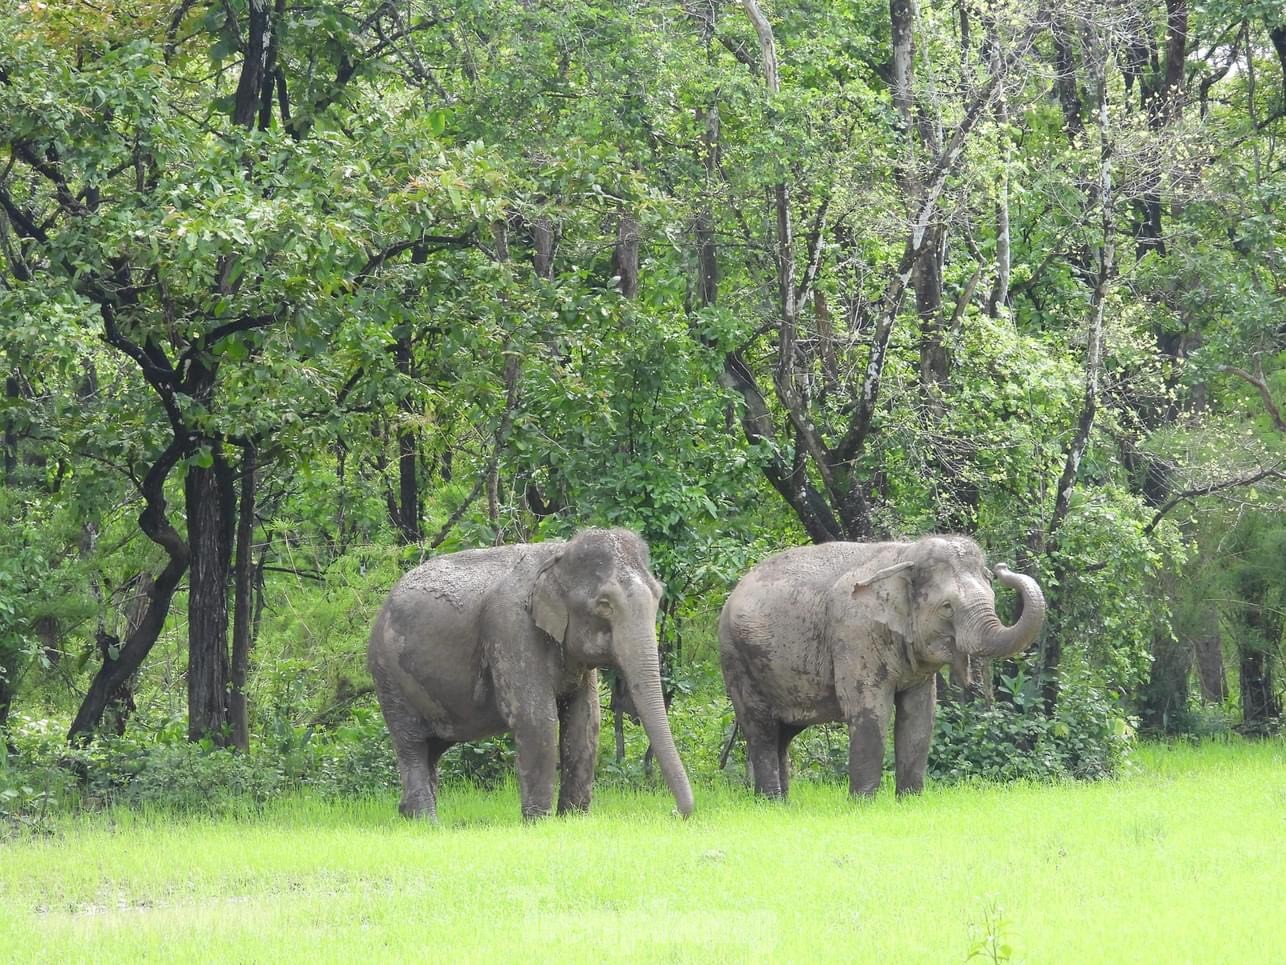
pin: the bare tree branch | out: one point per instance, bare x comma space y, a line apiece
1258, 382
1273, 472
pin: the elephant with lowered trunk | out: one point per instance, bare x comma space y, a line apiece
849, 631
480, 642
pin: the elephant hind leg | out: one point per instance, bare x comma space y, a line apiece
419, 798
416, 760
436, 747
785, 734
754, 717
763, 755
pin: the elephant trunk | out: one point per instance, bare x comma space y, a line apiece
986, 636
641, 667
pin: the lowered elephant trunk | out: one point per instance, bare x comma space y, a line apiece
988, 637
642, 670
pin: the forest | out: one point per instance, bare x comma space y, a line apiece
297, 294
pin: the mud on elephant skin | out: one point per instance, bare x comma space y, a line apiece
849, 632
481, 642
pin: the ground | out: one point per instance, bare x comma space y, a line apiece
1182, 860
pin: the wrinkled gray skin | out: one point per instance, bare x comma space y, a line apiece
476, 643
848, 631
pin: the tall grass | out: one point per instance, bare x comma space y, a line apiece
1180, 861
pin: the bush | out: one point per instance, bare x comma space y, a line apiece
485, 763
161, 768
1012, 739
155, 766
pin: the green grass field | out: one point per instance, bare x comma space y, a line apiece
1182, 861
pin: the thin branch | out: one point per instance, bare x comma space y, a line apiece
306, 574
48, 169
1273, 472
815, 236
245, 323
172, 31
851, 445
429, 242
1258, 382
767, 46
23, 223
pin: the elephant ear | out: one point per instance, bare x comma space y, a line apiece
880, 597
864, 580
547, 600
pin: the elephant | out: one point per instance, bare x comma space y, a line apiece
481, 642
847, 631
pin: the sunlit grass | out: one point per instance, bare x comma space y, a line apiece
1182, 860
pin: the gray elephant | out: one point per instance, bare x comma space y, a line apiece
477, 643
848, 631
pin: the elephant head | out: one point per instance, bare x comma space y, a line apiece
946, 606
597, 597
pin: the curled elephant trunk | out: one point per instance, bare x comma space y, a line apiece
986, 636
640, 665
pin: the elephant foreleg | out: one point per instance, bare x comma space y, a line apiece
579, 718
536, 737
912, 732
867, 726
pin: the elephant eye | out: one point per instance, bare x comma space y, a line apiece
603, 606
946, 608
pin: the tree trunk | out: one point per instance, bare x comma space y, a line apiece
1261, 709
10, 433
243, 581
138, 644
926, 271
120, 703
927, 281
1278, 36
250, 84
6, 700
1164, 707
707, 260
1210, 669
544, 242
407, 519
208, 509
999, 298
1051, 656
1065, 82
625, 261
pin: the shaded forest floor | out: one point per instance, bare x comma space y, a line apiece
1179, 860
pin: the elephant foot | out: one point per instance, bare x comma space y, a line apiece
418, 811
532, 814
573, 808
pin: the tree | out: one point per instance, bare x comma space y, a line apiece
201, 228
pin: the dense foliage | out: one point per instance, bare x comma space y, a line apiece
293, 296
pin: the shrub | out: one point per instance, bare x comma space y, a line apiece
1088, 738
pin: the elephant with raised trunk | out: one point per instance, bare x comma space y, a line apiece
477, 643
849, 631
